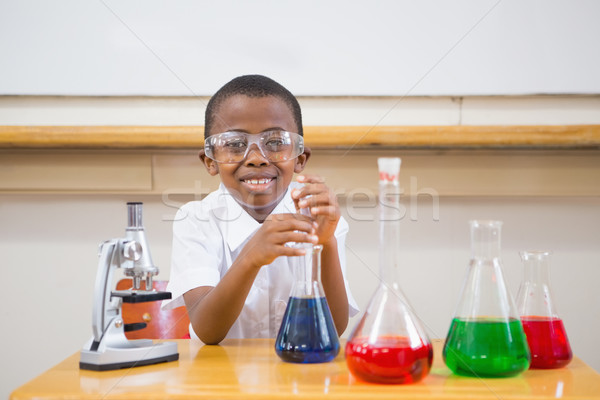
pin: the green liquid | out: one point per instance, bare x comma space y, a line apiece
486, 347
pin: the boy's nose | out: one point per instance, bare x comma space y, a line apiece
255, 156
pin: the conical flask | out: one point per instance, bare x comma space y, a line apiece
307, 333
388, 345
543, 327
486, 337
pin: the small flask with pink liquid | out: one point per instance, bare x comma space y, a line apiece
543, 327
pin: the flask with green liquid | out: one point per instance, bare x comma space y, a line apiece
486, 337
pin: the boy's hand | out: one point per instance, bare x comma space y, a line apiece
322, 203
269, 241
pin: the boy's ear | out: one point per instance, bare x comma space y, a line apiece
302, 159
211, 165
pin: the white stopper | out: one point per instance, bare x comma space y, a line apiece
389, 168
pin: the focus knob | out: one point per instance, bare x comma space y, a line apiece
132, 250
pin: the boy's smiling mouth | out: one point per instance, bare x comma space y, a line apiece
258, 183
262, 181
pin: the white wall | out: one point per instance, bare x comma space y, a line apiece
49, 239
341, 47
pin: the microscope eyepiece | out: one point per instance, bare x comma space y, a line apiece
134, 215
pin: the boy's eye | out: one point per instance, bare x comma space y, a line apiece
235, 145
276, 142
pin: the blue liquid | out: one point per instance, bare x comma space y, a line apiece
307, 333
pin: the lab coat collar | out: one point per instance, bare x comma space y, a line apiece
236, 224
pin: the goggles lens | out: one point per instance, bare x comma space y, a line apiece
233, 147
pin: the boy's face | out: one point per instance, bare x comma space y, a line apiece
256, 183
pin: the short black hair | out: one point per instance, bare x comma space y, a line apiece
251, 86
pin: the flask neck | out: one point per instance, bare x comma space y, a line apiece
485, 240
534, 297
389, 232
536, 264
307, 272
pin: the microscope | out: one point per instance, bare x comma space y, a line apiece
109, 349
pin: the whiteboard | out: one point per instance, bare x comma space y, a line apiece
315, 48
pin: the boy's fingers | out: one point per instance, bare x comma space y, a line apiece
310, 191
281, 238
296, 198
288, 217
325, 210
317, 200
299, 237
292, 252
291, 222
309, 178
297, 194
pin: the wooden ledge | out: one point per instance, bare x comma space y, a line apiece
191, 137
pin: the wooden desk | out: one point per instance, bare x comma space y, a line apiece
251, 369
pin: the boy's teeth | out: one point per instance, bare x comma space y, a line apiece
258, 181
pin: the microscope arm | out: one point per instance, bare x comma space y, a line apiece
102, 296
114, 253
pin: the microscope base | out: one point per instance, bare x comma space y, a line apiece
133, 353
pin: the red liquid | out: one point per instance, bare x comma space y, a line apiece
547, 341
389, 360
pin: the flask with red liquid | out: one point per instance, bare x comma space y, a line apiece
388, 345
486, 337
543, 327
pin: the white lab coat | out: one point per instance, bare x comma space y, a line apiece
209, 234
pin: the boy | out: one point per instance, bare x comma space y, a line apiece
229, 264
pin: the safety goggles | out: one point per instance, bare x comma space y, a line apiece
233, 147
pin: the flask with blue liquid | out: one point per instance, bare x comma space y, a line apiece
307, 333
